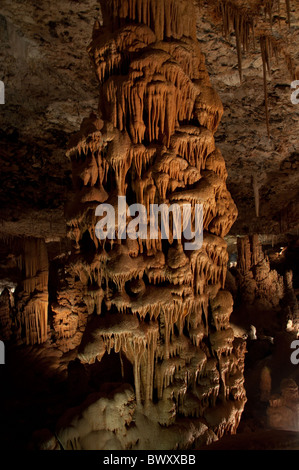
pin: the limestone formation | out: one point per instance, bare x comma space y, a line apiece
135, 343
283, 410
265, 384
28, 320
5, 315
258, 283
291, 303
243, 17
161, 308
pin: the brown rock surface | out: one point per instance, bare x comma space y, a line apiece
148, 300
50, 86
153, 317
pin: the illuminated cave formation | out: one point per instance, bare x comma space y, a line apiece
24, 312
161, 309
141, 344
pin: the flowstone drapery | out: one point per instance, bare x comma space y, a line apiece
161, 308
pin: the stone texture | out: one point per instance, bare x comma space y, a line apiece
50, 86
147, 299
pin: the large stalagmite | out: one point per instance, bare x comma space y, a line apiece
161, 308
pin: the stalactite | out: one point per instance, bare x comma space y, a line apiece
265, 58
240, 17
257, 280
6, 320
265, 384
256, 192
150, 300
167, 18
32, 299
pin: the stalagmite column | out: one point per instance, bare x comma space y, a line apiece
34, 298
5, 315
160, 306
29, 317
257, 282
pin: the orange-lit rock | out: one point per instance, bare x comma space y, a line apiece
159, 307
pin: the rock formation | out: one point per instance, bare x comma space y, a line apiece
5, 315
27, 318
283, 410
160, 308
261, 288
136, 336
267, 299
291, 303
